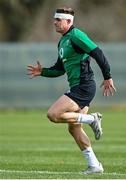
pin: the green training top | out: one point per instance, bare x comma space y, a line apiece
74, 49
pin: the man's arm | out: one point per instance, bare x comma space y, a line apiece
101, 60
54, 71
107, 84
38, 70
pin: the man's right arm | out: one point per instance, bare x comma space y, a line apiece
54, 71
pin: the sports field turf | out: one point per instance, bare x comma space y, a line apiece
31, 147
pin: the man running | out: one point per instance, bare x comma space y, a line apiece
74, 51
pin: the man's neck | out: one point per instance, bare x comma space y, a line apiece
69, 29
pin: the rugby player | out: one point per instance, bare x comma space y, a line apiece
75, 50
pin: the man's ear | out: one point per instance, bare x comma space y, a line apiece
69, 21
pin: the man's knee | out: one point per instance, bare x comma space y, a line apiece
52, 116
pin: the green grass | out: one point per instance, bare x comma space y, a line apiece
31, 147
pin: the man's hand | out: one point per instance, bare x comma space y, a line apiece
108, 87
34, 71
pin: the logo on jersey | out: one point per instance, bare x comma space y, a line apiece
61, 53
64, 60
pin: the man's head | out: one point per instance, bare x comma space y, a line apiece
63, 19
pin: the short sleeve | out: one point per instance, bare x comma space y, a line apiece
83, 41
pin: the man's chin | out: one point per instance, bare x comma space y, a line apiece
57, 30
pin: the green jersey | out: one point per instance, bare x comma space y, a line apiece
74, 51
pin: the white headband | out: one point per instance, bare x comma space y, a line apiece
63, 16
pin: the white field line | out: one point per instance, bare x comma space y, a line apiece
36, 172
53, 172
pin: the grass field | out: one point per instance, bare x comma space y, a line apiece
31, 147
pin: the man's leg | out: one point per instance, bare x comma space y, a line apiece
78, 133
83, 142
65, 110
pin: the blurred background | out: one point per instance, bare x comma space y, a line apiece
27, 34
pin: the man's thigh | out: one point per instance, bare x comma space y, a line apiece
64, 104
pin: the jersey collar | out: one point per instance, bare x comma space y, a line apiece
69, 30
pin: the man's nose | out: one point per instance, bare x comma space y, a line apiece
55, 22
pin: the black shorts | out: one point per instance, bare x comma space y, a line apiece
82, 94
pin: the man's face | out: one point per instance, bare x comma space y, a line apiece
61, 25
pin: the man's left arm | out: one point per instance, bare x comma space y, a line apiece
101, 60
107, 84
